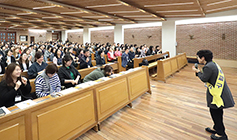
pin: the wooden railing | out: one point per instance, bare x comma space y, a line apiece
137, 61
71, 115
167, 67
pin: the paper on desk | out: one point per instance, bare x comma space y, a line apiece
83, 85
5, 110
68, 90
105, 78
25, 104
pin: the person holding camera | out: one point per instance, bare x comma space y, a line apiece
218, 94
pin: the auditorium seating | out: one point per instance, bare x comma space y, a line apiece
76, 111
137, 61
169, 66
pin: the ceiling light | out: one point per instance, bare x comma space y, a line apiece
214, 3
92, 16
139, 16
73, 20
43, 7
174, 11
233, 6
107, 5
105, 19
52, 17
28, 13
124, 3
142, 10
146, 19
190, 15
170, 4
117, 12
36, 20
71, 12
12, 18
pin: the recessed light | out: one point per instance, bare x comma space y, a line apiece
120, 12
107, 5
174, 11
219, 2
170, 4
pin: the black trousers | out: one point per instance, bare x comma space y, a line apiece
217, 117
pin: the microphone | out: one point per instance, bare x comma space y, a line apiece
196, 65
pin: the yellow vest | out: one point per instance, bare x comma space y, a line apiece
216, 91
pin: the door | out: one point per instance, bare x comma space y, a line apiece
32, 39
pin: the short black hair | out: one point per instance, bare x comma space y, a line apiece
38, 55
51, 69
66, 58
100, 52
207, 54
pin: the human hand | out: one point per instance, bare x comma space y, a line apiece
196, 70
87, 59
24, 80
18, 84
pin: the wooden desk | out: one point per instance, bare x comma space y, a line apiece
71, 115
137, 61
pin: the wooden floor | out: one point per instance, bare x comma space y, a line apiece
176, 110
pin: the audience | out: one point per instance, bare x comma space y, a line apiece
85, 60
13, 87
57, 60
48, 81
99, 73
100, 60
69, 76
9, 58
38, 66
24, 63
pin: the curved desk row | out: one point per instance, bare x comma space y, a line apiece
80, 109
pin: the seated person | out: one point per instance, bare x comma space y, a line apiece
68, 74
131, 53
2, 63
98, 73
85, 61
57, 57
125, 59
9, 58
100, 60
111, 56
48, 81
24, 62
38, 66
13, 87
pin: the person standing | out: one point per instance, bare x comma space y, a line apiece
218, 94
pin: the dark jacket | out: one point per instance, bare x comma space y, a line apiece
12, 60
22, 68
64, 74
83, 63
125, 59
35, 68
210, 74
2, 64
131, 55
100, 61
8, 93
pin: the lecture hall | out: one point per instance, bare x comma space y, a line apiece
118, 69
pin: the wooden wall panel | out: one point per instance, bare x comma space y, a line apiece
111, 97
137, 84
13, 130
69, 116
